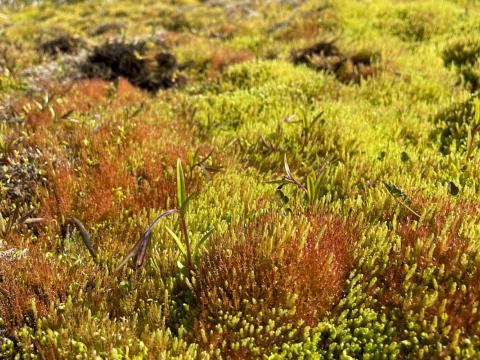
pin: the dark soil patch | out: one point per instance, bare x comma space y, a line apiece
64, 44
325, 56
147, 70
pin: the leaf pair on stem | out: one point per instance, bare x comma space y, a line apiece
189, 251
313, 188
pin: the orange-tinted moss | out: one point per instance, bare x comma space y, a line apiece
304, 280
395, 288
27, 279
222, 58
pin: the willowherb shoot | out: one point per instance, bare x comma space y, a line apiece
313, 189
188, 250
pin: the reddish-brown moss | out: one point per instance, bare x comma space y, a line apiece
222, 58
303, 280
24, 280
396, 289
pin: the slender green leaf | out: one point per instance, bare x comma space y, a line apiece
185, 204
204, 238
180, 245
180, 186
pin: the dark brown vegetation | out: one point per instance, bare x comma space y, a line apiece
64, 44
326, 56
142, 67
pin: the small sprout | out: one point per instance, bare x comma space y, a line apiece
194, 160
190, 252
288, 178
404, 156
139, 250
313, 189
308, 125
15, 221
268, 145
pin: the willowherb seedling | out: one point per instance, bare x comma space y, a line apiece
138, 252
308, 126
313, 189
188, 249
15, 220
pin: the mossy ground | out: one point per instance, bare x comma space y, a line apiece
380, 261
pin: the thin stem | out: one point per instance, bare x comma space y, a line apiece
183, 223
407, 207
295, 182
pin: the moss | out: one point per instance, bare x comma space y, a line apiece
332, 265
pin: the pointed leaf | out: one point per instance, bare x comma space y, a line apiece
180, 245
204, 238
281, 197
139, 249
130, 254
185, 204
287, 168
180, 185
85, 235
142, 249
159, 217
395, 191
452, 188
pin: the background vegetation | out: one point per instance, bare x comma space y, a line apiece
325, 201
